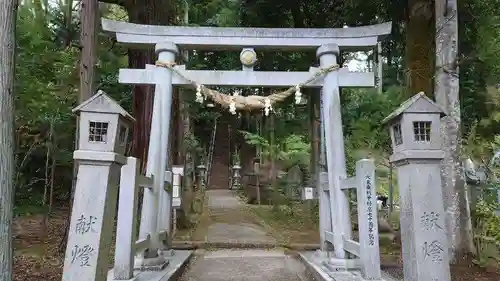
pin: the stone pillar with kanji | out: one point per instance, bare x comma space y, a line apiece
417, 155
103, 134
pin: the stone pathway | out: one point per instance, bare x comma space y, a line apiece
230, 222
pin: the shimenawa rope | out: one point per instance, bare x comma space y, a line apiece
237, 102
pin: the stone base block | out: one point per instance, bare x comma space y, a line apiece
151, 264
342, 264
323, 268
174, 267
132, 279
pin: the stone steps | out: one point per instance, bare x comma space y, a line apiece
221, 158
244, 265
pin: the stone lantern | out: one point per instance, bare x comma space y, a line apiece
417, 155
103, 132
201, 176
236, 179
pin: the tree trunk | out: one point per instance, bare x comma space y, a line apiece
153, 12
458, 222
88, 37
8, 12
89, 11
315, 135
177, 132
189, 168
273, 156
142, 106
187, 191
420, 47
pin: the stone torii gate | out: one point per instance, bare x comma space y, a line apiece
328, 44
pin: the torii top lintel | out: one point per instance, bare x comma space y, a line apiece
222, 38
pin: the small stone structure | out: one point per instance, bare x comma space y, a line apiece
366, 251
130, 256
417, 155
294, 182
200, 178
477, 180
103, 135
104, 127
177, 174
236, 177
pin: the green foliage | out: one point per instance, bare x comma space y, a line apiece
256, 140
215, 12
363, 112
193, 145
479, 65
486, 221
296, 151
291, 150
45, 92
46, 86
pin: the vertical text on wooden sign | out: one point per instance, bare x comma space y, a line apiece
81, 254
369, 205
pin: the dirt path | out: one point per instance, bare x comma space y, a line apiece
36, 255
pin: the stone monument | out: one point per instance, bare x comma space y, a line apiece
103, 135
417, 154
294, 182
474, 178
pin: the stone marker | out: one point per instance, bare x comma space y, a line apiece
103, 135
126, 220
325, 214
367, 219
293, 181
177, 174
417, 154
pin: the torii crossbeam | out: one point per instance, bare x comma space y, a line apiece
223, 38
